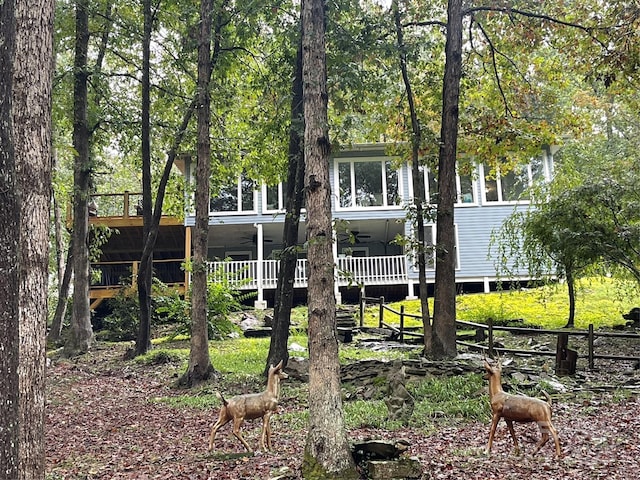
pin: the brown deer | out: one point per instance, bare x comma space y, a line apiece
518, 408
250, 406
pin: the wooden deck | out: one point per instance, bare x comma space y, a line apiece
117, 267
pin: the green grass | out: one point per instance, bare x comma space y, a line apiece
600, 301
446, 399
455, 399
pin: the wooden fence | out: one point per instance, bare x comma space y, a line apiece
486, 331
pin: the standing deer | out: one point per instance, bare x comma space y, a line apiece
518, 408
250, 406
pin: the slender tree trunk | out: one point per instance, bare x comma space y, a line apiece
9, 260
154, 227
295, 196
444, 309
145, 272
418, 186
81, 334
63, 297
327, 453
32, 126
571, 287
200, 368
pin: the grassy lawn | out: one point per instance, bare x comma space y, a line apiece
600, 301
458, 399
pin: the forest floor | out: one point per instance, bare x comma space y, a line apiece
103, 421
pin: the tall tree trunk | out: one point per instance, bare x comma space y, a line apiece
33, 70
145, 271
444, 305
327, 453
63, 295
81, 334
418, 186
9, 260
152, 235
295, 196
64, 263
200, 368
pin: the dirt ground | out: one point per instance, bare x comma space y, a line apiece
102, 423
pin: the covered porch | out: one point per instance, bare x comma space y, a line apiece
350, 271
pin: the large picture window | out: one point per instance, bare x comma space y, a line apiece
235, 198
511, 185
367, 183
465, 187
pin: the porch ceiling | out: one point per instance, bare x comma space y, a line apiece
383, 230
125, 244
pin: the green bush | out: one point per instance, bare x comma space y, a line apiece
122, 322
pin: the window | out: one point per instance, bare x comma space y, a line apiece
235, 198
512, 186
465, 187
367, 183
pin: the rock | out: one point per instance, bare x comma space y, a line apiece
399, 401
379, 449
404, 468
249, 322
555, 385
298, 368
295, 347
283, 473
258, 332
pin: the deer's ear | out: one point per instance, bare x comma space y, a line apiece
279, 365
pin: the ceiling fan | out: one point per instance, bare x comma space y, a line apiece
253, 239
354, 236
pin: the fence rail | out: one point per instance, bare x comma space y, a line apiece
488, 330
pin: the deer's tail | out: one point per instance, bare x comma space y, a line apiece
547, 396
222, 399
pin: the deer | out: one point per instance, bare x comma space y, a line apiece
251, 406
518, 408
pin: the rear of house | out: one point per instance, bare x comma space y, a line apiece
370, 193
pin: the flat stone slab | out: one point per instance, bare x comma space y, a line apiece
402, 468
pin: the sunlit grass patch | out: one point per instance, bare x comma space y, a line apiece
599, 301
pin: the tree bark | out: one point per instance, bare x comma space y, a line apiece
152, 235
418, 186
571, 287
63, 295
200, 368
33, 70
9, 260
81, 334
444, 309
145, 272
327, 453
295, 196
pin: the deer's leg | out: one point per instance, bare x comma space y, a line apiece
266, 431
223, 419
237, 424
554, 432
546, 427
494, 423
513, 435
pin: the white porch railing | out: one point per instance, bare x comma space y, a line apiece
387, 270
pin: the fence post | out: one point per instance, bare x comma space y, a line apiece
401, 323
381, 312
361, 303
490, 335
590, 343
